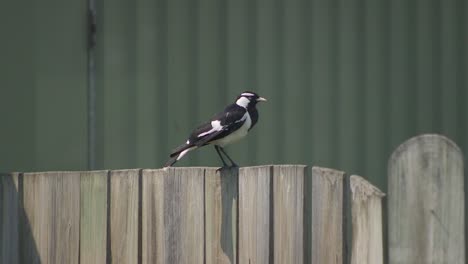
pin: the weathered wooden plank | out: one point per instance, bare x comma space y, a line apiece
366, 204
52, 206
152, 217
327, 216
173, 223
255, 215
93, 217
426, 202
123, 221
221, 204
288, 209
9, 218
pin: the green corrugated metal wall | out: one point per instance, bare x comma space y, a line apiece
347, 81
43, 85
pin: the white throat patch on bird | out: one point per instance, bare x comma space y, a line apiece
243, 101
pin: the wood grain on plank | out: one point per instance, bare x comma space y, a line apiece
52, 207
93, 217
426, 202
173, 216
255, 215
327, 216
152, 217
366, 204
288, 207
221, 202
123, 219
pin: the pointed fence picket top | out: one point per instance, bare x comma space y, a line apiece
366, 221
426, 202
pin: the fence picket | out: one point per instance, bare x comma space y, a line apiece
123, 221
255, 215
426, 202
326, 216
221, 202
93, 214
366, 204
52, 202
288, 213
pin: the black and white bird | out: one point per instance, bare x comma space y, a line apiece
224, 128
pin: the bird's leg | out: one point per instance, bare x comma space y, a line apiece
233, 164
220, 156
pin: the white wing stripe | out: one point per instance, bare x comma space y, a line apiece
216, 127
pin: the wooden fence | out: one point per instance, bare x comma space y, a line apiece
266, 214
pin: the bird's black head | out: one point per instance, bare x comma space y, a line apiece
249, 99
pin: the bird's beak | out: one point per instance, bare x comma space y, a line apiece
261, 99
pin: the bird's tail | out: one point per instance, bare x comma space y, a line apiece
171, 161
178, 153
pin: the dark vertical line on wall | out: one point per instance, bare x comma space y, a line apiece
361, 65
223, 42
461, 67
161, 70
307, 71
91, 84
412, 81
386, 77
132, 93
99, 84
462, 43
334, 68
280, 79
341, 55
436, 65
252, 66
194, 71
386, 110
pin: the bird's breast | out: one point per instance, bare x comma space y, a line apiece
236, 135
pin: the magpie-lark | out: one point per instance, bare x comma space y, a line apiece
224, 128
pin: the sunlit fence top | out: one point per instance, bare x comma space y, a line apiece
264, 214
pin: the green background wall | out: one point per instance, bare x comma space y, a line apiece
347, 81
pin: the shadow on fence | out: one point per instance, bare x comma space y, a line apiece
16, 235
264, 214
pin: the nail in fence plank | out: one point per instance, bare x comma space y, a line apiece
426, 202
366, 213
327, 216
123, 221
221, 200
9, 218
255, 214
52, 206
173, 222
93, 213
288, 208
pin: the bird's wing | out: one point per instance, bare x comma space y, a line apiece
222, 124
